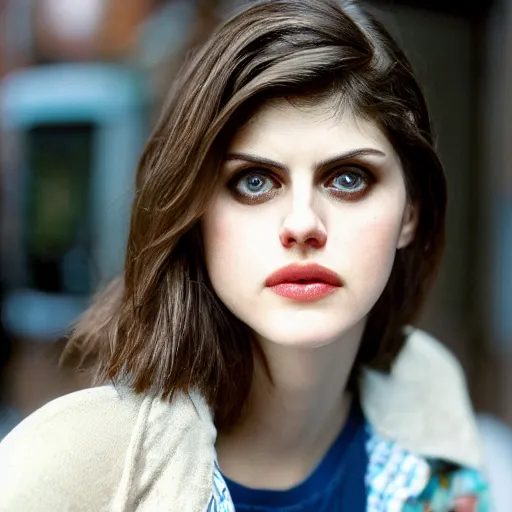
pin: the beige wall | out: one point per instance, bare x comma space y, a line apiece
496, 180
466, 69
440, 48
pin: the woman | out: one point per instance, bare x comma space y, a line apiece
288, 221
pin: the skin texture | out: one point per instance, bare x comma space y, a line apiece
302, 221
349, 215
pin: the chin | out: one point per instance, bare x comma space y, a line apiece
307, 335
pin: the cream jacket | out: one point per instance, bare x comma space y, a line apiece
108, 449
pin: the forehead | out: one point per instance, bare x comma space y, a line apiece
280, 125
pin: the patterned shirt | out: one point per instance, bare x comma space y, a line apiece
399, 481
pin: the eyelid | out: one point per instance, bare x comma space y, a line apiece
359, 169
243, 171
240, 174
349, 195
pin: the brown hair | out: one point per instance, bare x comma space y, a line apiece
160, 327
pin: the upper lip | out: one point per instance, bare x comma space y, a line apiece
310, 272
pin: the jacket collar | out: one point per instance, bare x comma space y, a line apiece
423, 404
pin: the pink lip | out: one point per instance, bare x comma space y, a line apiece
303, 282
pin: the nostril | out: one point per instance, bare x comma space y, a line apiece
315, 238
315, 242
287, 241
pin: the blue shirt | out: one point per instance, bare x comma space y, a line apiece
337, 484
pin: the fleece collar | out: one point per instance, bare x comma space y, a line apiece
423, 403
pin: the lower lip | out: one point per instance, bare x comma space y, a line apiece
304, 292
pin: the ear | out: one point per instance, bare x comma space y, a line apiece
409, 224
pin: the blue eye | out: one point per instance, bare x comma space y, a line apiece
349, 181
349, 184
254, 184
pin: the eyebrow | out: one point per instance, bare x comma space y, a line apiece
324, 163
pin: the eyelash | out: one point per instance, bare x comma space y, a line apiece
357, 171
256, 171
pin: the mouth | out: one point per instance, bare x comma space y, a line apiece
304, 283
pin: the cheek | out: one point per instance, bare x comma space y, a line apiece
225, 233
233, 243
369, 246
216, 239
377, 238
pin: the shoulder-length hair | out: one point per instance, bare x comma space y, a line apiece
160, 327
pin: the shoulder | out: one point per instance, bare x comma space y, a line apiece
425, 352
423, 404
72, 443
103, 410
423, 369
110, 449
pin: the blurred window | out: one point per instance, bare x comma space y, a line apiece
58, 238
79, 19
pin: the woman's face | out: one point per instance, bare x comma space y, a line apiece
318, 195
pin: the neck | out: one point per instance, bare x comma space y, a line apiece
296, 408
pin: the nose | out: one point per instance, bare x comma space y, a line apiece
302, 227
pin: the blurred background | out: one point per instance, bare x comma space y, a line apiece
81, 83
